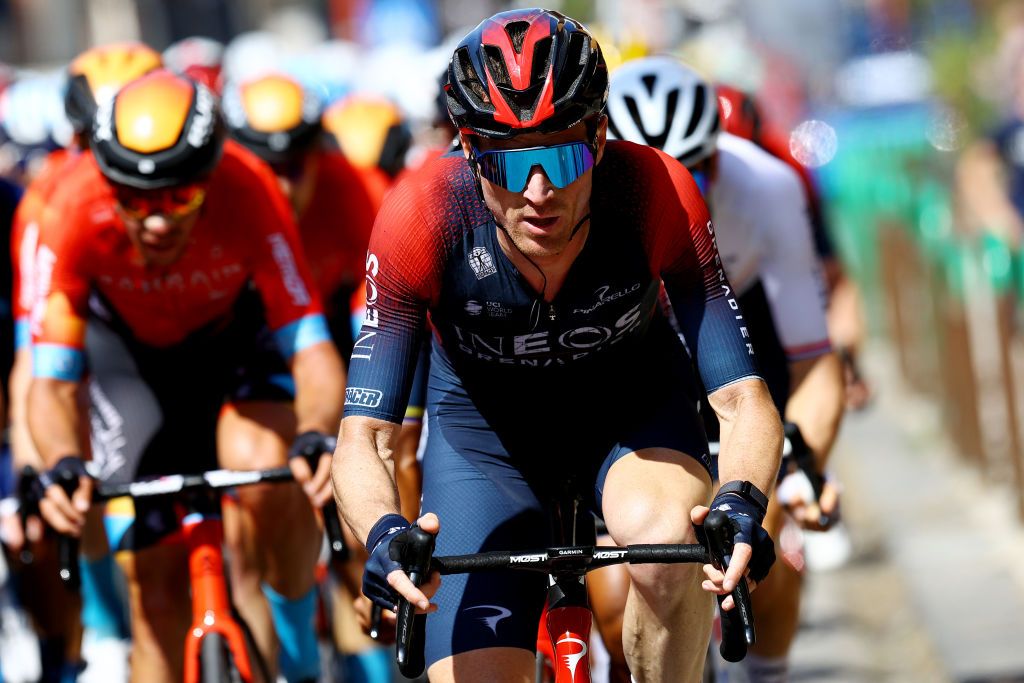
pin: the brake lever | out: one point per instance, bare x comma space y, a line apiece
738, 623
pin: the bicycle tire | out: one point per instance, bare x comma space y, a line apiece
215, 662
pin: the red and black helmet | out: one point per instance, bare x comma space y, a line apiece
739, 112
526, 71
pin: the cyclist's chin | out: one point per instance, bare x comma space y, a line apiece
162, 254
539, 240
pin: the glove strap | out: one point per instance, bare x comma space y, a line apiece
748, 492
384, 526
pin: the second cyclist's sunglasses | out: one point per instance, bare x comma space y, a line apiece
510, 168
172, 202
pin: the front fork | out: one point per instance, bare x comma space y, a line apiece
568, 620
211, 607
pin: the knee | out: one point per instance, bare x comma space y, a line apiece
251, 442
644, 522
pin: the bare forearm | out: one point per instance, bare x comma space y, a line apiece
54, 420
983, 194
751, 434
816, 404
363, 473
21, 441
319, 388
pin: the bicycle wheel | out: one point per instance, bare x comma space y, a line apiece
215, 662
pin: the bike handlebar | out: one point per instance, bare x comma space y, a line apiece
416, 555
213, 480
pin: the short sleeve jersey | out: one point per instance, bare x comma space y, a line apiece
435, 249
25, 237
244, 233
765, 235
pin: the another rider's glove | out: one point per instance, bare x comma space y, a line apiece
746, 506
68, 468
311, 445
380, 564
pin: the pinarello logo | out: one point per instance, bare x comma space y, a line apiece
566, 652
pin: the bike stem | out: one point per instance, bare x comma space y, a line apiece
211, 607
568, 620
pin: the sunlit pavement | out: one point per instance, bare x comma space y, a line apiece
934, 590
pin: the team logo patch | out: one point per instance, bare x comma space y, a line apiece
473, 307
481, 262
364, 398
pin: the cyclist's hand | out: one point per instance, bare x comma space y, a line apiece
308, 448
384, 581
11, 533
809, 515
66, 514
753, 552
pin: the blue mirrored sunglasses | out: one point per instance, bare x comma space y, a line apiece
510, 168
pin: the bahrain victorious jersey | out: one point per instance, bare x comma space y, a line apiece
435, 249
25, 237
335, 227
244, 233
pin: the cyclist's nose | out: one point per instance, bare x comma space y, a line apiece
157, 224
538, 186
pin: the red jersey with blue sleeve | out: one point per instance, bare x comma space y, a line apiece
435, 250
25, 237
244, 233
335, 227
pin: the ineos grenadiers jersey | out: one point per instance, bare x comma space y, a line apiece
244, 234
435, 249
764, 234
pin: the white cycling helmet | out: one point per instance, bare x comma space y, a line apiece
661, 102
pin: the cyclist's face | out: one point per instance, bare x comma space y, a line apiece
297, 179
540, 218
160, 235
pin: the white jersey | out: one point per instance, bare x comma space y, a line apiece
764, 233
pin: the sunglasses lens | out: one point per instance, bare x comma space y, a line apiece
172, 202
510, 168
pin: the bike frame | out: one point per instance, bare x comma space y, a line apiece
211, 605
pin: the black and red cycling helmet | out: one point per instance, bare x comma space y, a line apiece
740, 113
526, 71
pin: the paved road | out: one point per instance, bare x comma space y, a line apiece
935, 588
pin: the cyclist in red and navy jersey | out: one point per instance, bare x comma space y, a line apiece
164, 252
538, 254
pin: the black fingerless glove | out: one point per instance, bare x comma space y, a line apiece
311, 445
746, 506
380, 564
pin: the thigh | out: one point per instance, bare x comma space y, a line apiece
483, 503
654, 476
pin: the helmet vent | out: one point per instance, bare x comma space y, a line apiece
699, 102
541, 60
573, 70
468, 79
649, 80
516, 31
496, 66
